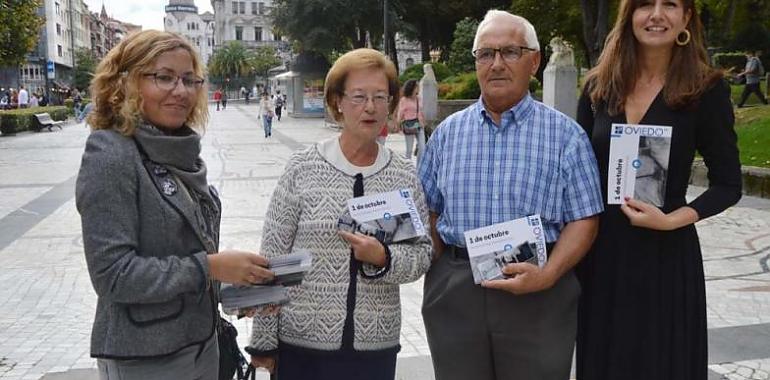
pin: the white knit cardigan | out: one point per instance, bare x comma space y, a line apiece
307, 201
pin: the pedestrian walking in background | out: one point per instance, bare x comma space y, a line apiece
753, 73
506, 157
343, 320
279, 104
266, 114
33, 100
150, 220
224, 99
218, 97
23, 97
410, 120
642, 311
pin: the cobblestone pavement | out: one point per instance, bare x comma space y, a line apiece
47, 303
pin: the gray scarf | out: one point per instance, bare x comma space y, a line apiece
178, 152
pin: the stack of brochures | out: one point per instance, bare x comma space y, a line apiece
638, 165
388, 217
289, 271
493, 247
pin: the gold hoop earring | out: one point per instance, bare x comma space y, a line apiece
686, 38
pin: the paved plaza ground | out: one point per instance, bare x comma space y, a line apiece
47, 303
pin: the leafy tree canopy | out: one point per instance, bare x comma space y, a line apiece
19, 28
85, 65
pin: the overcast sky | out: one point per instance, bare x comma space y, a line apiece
147, 13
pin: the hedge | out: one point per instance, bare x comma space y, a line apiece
415, 72
734, 60
19, 120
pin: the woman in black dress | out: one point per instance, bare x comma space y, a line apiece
643, 308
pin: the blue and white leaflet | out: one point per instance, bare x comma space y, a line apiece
638, 163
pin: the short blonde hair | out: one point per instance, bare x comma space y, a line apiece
115, 85
357, 59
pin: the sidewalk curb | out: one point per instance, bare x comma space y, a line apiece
756, 181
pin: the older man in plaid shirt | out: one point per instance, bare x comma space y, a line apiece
506, 157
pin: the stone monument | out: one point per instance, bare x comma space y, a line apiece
429, 96
560, 78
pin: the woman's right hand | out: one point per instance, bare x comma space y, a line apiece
266, 362
239, 267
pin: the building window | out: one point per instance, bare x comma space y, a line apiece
257, 34
58, 29
239, 33
261, 8
235, 7
58, 9
253, 8
243, 7
409, 62
59, 50
276, 36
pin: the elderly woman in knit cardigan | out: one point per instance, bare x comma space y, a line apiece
343, 321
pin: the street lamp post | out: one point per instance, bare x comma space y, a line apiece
385, 39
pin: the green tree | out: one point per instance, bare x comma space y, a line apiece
326, 26
19, 28
232, 60
85, 65
434, 21
460, 58
263, 59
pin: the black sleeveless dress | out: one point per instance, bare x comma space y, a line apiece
642, 311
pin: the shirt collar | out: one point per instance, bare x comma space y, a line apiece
515, 115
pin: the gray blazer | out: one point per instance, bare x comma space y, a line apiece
145, 253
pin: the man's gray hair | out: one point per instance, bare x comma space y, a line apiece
530, 35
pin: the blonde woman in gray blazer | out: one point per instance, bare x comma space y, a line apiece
150, 220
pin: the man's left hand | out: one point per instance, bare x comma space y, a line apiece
526, 278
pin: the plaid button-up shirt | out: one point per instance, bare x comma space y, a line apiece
537, 161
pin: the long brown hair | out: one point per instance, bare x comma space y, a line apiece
615, 75
115, 86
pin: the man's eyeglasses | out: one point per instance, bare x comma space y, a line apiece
167, 82
379, 99
509, 54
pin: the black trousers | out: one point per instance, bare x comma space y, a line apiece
749, 89
278, 112
298, 364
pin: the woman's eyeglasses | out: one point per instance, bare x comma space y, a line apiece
167, 82
359, 98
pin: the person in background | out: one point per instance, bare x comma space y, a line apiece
150, 220
753, 74
266, 114
644, 294
409, 115
23, 97
343, 321
279, 104
218, 97
33, 100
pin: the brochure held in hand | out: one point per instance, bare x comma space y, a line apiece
289, 271
638, 165
389, 217
493, 247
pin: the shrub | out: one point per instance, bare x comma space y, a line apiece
415, 72
534, 84
19, 120
462, 86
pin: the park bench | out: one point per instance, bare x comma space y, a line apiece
44, 121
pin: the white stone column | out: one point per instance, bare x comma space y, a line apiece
560, 79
